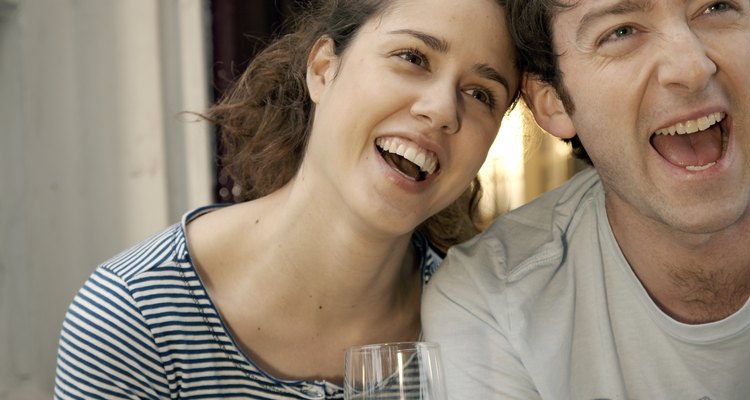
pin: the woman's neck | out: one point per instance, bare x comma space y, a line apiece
290, 280
310, 253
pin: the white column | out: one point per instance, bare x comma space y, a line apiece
185, 69
92, 158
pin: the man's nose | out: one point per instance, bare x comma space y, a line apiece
685, 64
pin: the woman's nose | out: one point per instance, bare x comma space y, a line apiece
438, 106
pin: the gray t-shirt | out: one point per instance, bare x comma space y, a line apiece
544, 305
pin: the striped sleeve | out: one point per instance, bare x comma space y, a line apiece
143, 327
106, 349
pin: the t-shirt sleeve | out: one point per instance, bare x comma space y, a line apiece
106, 349
480, 361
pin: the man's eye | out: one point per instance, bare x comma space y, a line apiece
622, 32
718, 7
619, 33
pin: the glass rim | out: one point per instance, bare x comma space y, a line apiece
393, 345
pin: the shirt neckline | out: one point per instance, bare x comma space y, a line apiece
308, 389
710, 332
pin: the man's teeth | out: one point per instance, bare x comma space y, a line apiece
700, 167
424, 159
692, 126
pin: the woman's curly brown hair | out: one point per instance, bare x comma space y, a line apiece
265, 116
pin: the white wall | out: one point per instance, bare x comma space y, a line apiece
92, 155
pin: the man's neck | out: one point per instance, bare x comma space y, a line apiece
704, 293
693, 281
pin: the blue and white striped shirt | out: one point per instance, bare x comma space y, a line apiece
143, 327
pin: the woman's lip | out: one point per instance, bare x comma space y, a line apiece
425, 161
401, 181
423, 141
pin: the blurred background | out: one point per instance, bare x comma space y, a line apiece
95, 154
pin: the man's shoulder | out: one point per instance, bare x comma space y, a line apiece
520, 256
531, 238
557, 205
536, 231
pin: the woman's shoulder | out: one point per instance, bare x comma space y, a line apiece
167, 246
165, 249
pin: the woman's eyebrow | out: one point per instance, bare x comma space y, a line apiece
432, 42
490, 73
440, 45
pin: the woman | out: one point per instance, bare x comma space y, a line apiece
355, 140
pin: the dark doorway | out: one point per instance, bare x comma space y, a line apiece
240, 28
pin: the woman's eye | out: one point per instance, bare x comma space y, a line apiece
483, 96
414, 57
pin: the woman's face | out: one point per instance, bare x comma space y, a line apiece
405, 116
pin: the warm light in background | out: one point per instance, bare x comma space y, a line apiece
523, 162
502, 172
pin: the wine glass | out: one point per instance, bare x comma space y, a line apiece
394, 371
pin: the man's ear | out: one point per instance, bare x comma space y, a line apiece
549, 111
321, 67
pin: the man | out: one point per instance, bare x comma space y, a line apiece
631, 281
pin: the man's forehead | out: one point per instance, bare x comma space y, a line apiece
603, 6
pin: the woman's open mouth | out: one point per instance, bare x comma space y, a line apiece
407, 158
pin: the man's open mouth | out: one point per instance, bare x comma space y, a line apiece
695, 145
406, 157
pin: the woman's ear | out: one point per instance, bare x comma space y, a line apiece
321, 67
549, 111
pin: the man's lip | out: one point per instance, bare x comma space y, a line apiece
726, 125
691, 117
693, 126
726, 153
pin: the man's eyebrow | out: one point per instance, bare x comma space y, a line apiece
431, 41
490, 73
619, 8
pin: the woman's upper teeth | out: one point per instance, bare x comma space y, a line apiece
424, 159
692, 126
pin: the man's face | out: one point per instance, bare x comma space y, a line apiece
662, 105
